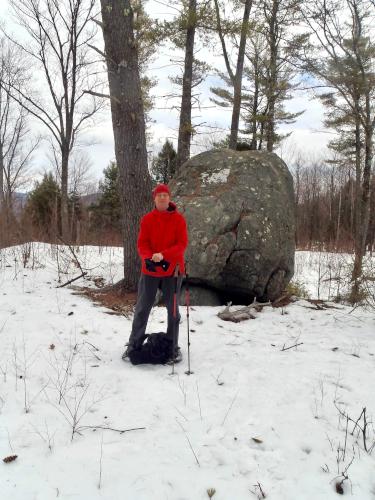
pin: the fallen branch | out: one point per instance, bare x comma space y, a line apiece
242, 314
97, 357
121, 431
71, 281
92, 345
320, 305
285, 299
290, 347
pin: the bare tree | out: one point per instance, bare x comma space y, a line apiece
128, 121
16, 147
59, 32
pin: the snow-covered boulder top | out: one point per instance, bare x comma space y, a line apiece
239, 207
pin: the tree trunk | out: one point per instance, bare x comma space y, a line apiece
363, 207
366, 185
1, 178
338, 221
185, 128
270, 133
237, 96
64, 194
128, 127
253, 144
358, 257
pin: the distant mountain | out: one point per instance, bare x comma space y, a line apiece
20, 200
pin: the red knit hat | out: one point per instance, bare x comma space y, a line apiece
160, 188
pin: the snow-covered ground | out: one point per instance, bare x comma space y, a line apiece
251, 420
326, 275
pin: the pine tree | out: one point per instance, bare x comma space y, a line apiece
44, 205
342, 55
164, 164
268, 75
106, 213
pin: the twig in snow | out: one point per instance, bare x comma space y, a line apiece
121, 431
219, 382
182, 415
3, 325
4, 371
10, 444
96, 356
188, 440
260, 493
290, 347
92, 345
100, 463
230, 407
199, 401
182, 387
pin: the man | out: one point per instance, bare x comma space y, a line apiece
162, 241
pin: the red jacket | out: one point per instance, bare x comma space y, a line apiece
163, 232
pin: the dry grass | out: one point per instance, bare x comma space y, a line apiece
119, 302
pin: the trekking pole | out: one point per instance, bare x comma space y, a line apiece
187, 302
176, 273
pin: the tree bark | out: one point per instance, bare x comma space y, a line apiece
363, 208
237, 95
185, 129
270, 128
66, 236
255, 105
128, 126
236, 78
1, 178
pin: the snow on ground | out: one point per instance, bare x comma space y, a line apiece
251, 416
326, 275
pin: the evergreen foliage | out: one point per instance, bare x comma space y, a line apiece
106, 213
164, 164
44, 202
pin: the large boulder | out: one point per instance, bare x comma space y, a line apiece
239, 206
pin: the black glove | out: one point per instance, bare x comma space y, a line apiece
164, 265
151, 265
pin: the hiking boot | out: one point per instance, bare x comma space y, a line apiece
128, 350
176, 358
130, 347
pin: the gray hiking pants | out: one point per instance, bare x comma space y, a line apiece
147, 288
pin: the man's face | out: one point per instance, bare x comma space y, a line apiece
162, 201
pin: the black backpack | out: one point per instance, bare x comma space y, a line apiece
156, 349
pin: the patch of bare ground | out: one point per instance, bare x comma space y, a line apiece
114, 298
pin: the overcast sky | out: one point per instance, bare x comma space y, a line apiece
308, 134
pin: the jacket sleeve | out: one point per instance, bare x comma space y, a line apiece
143, 243
176, 250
